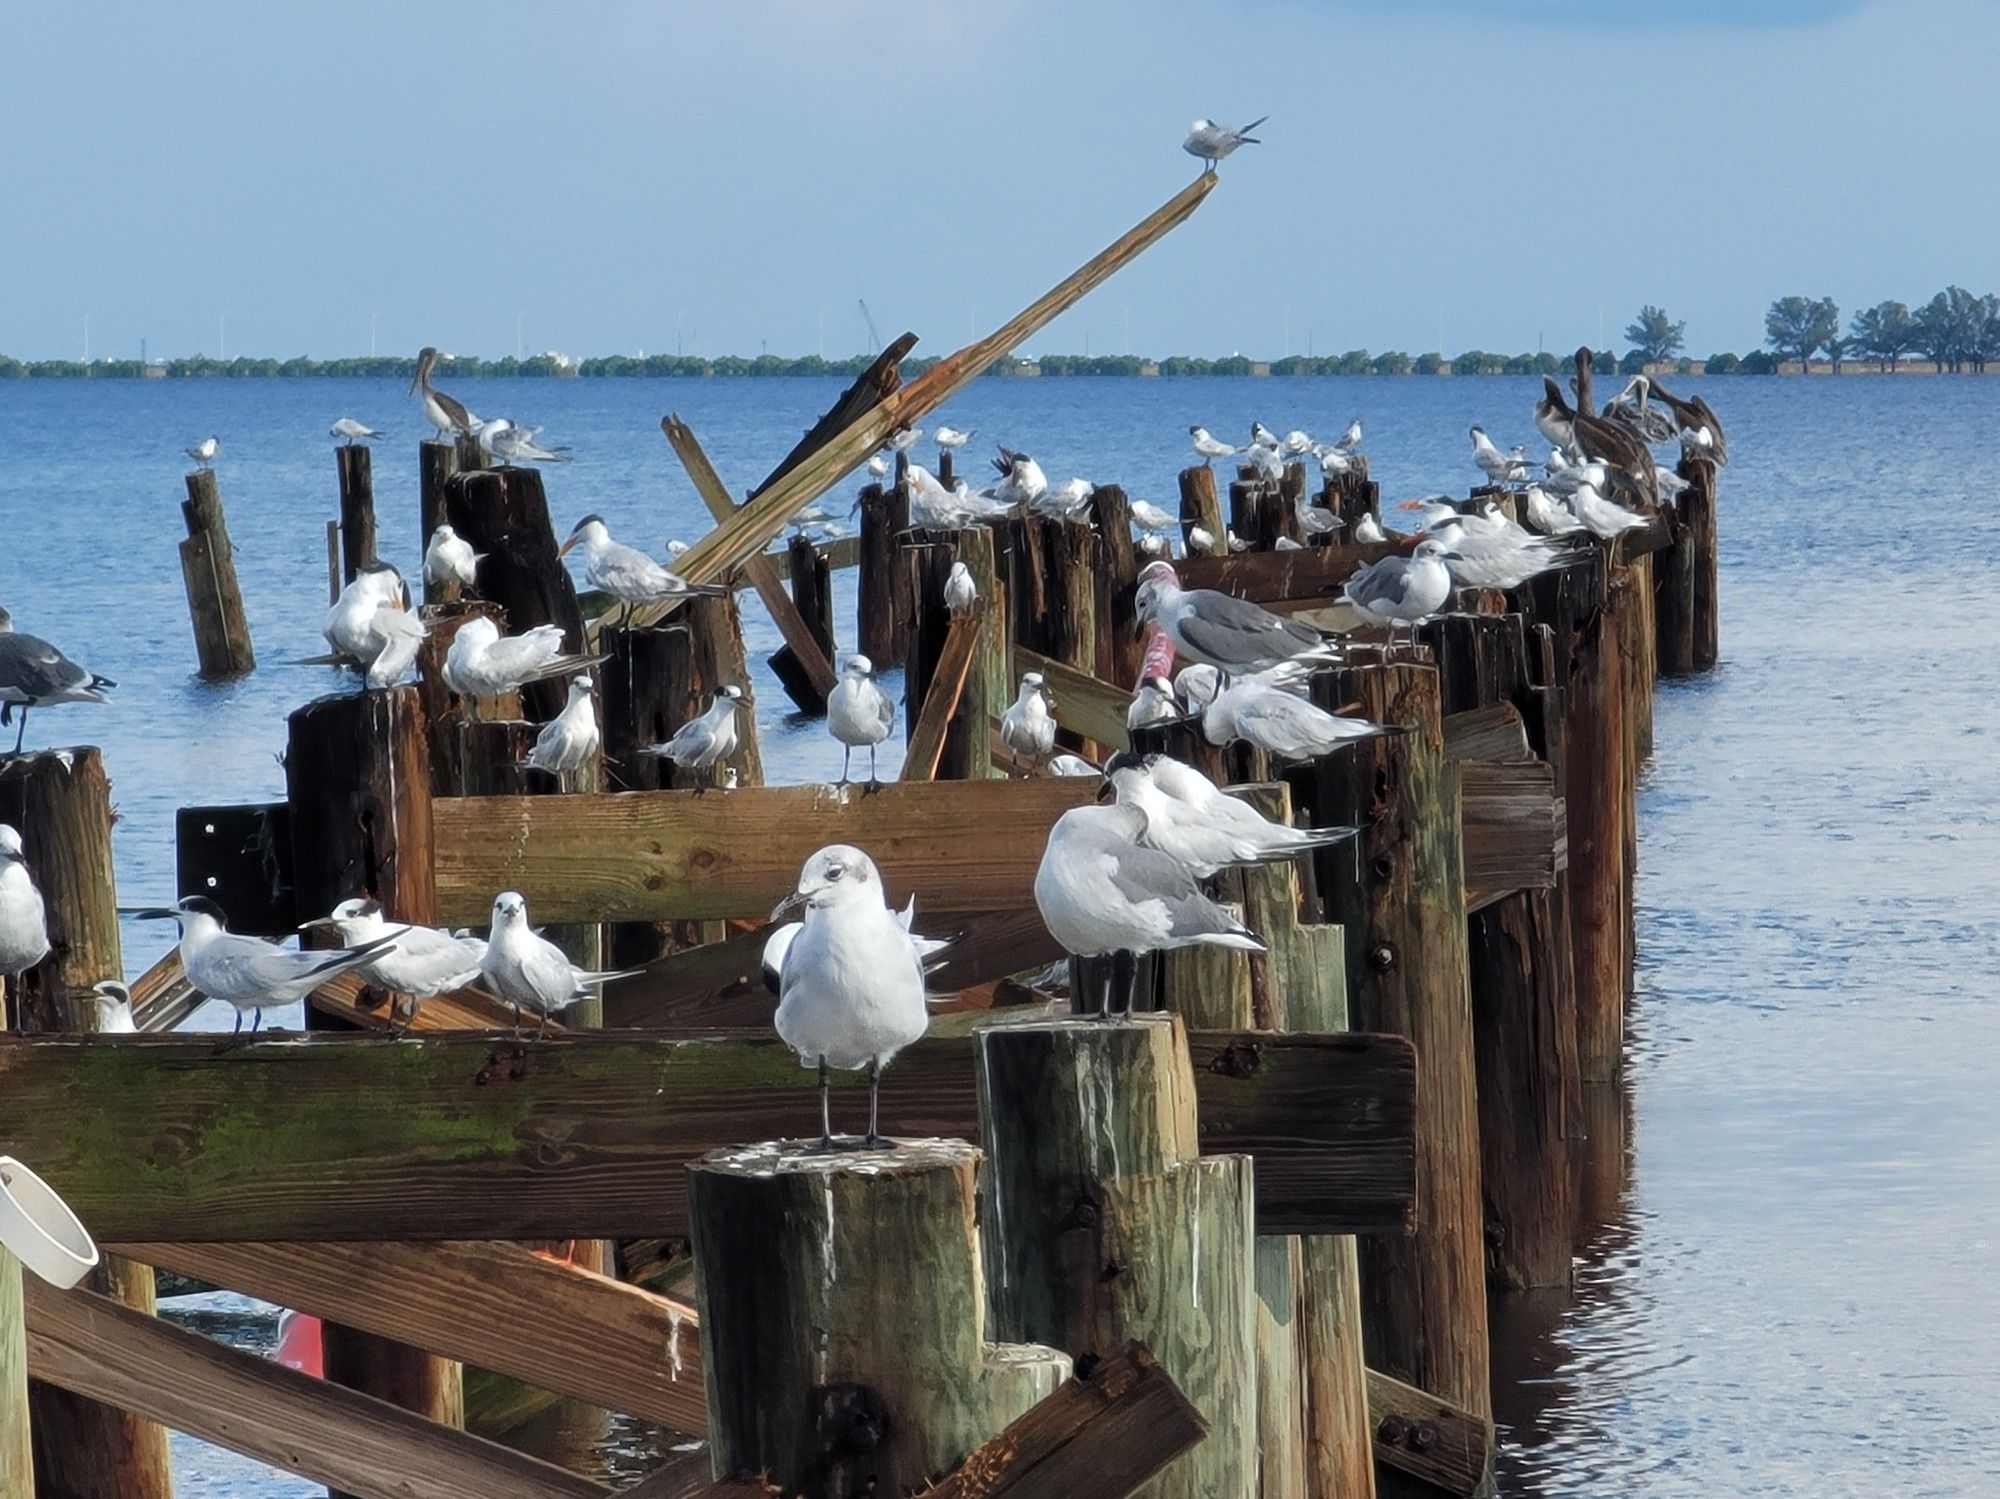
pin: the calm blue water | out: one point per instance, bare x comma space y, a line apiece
1789, 1285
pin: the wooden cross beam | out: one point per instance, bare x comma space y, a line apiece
1086, 705
341, 1137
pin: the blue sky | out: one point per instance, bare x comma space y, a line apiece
735, 175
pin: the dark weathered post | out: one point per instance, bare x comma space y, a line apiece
436, 463
1199, 505
843, 1317
357, 774
812, 594
716, 627
1052, 588
928, 556
1595, 794
879, 568
357, 507
208, 569
1120, 647
504, 513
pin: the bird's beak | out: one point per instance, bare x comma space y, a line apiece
564, 548
1106, 791
789, 904
318, 923
156, 913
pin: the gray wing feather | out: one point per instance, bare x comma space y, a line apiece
30, 665
1231, 629
1383, 582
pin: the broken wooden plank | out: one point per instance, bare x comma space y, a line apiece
498, 1305
941, 698
1108, 1429
447, 1136
1495, 732
1428, 1438
821, 460
840, 552
695, 855
1510, 824
757, 568
1311, 574
1085, 705
368, 1448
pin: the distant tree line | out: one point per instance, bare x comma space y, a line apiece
1956, 331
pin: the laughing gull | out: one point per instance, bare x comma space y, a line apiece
530, 972
450, 559
859, 714
700, 742
245, 972
571, 739
348, 428
1190, 818
1212, 141
851, 983
24, 932
419, 962
34, 674
1103, 893
626, 573
484, 663
1230, 634
1028, 727
1280, 723
203, 452
1402, 590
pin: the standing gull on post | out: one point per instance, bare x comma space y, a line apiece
1280, 723
851, 982
530, 972
509, 444
246, 972
1209, 448
626, 573
1103, 893
450, 559
1402, 590
570, 740
399, 635
34, 674
350, 626
1230, 634
24, 932
1212, 141
700, 742
1028, 727
347, 427
859, 714
203, 453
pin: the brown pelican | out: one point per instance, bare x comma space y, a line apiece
1696, 416
443, 412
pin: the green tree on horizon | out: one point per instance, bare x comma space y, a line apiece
1883, 333
1655, 335
1798, 327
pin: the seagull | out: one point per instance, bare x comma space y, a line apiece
1231, 634
1028, 727
1150, 518
1333, 463
350, 626
1262, 436
951, 437
1067, 764
1209, 448
878, 466
859, 712
1312, 519
34, 674
903, 439
530, 972
203, 452
626, 573
1151, 544
1190, 818
350, 429
1298, 442
484, 663
24, 932
444, 413
450, 559
851, 983
933, 507
114, 1008
502, 440
960, 592
1022, 481
1350, 440
419, 962
399, 635
1212, 141
1601, 517
1153, 703
1430, 510
1546, 515
570, 740
1402, 590
1278, 722
1064, 501
1499, 467
245, 972
700, 742
1369, 529
1200, 541
1490, 551
1103, 893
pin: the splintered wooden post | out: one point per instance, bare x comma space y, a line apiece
1351, 495
812, 596
504, 513
1052, 588
716, 627
1120, 645
967, 753
1199, 505
208, 569
1259, 515
1642, 669
60, 802
437, 462
447, 717
17, 1463
357, 508
357, 774
1695, 545
1400, 896
882, 591
333, 562
1107, 1223
843, 1317
1594, 802
647, 689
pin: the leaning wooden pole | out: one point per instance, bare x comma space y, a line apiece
17, 1462
357, 774
208, 569
61, 804
354, 462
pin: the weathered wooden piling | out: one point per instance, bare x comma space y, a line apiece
967, 753
715, 625
1685, 578
1594, 793
354, 462
60, 802
1052, 588
843, 1317
1399, 895
882, 587
17, 1463
357, 775
1107, 1222
812, 596
1199, 505
1351, 495
1120, 646
1260, 513
208, 569
504, 513
436, 463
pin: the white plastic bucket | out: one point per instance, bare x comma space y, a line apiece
39, 1229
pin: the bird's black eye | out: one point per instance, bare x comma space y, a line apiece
835, 871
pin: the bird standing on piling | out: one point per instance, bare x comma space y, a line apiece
859, 714
1230, 634
1209, 448
626, 573
350, 626
508, 443
418, 962
1402, 590
1279, 722
950, 437
570, 740
449, 558
1028, 727
114, 1008
203, 453
1499, 467
700, 742
1369, 529
530, 972
351, 430
1021, 482
1150, 518
399, 634
34, 674
1153, 703
244, 972
1212, 141
960, 592
484, 663
851, 983
24, 931
1190, 818
448, 416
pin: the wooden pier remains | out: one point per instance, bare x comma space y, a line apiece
215, 599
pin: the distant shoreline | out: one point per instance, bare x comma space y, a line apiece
1054, 366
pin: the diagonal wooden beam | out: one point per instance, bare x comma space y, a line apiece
758, 568
325, 1433
941, 700
753, 525
1085, 705
1447, 1447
